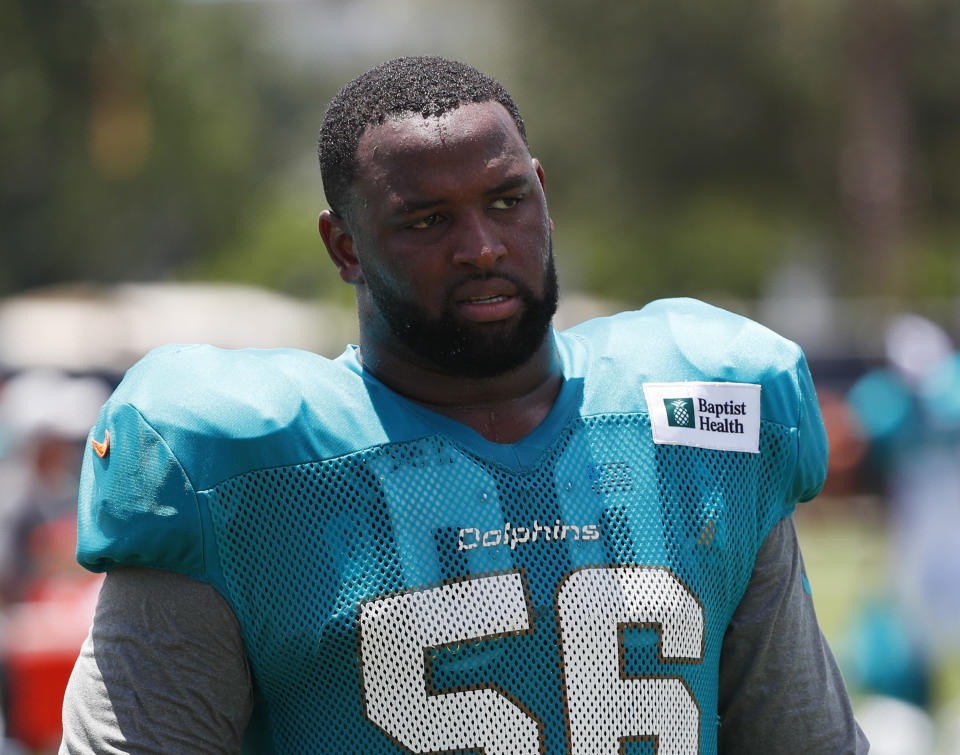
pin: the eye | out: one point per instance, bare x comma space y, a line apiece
427, 222
505, 203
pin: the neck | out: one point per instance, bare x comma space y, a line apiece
503, 408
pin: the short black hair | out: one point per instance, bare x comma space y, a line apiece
427, 85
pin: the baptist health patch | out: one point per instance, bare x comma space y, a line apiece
722, 416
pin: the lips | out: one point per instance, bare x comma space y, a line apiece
491, 299
487, 300
486, 288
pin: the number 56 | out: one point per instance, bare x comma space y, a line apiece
603, 706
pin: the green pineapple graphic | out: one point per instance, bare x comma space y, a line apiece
680, 412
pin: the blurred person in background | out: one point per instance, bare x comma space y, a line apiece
471, 532
47, 601
44, 420
908, 411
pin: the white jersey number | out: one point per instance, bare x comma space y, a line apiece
603, 706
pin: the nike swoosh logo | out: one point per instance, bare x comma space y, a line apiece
101, 448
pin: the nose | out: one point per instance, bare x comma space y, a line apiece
480, 244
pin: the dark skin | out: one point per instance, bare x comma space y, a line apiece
436, 200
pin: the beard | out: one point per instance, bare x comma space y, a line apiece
464, 348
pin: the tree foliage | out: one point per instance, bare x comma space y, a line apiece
691, 147
710, 143
137, 137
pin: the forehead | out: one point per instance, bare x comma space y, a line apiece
410, 152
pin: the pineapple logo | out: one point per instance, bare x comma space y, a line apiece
680, 412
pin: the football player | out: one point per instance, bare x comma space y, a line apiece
468, 533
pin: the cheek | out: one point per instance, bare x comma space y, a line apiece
535, 223
406, 277
418, 261
532, 242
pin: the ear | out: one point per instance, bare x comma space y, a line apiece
543, 180
339, 242
539, 170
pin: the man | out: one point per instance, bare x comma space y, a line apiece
470, 533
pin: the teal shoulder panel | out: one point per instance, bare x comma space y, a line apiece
226, 412
186, 418
680, 340
136, 506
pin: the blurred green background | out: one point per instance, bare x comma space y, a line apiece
691, 147
795, 160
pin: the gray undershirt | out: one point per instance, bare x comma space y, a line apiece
164, 669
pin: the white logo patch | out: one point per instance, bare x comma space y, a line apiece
721, 416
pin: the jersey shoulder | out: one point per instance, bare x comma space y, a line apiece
683, 340
226, 411
686, 340
186, 418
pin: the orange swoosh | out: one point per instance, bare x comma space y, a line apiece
101, 448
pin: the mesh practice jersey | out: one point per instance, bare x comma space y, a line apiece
404, 585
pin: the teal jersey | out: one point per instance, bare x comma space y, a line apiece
404, 585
